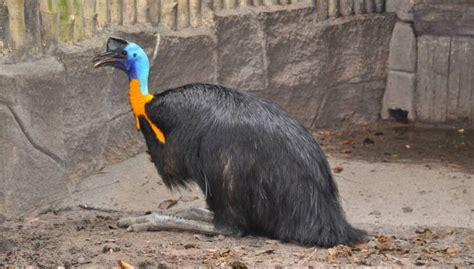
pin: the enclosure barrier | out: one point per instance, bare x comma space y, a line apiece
40, 24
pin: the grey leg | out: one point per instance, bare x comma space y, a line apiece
194, 213
159, 222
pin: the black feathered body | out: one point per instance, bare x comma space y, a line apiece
261, 171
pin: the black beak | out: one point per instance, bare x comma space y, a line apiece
113, 53
106, 58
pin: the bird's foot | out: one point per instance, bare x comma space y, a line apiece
160, 222
195, 213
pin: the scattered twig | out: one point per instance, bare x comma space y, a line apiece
309, 256
350, 180
100, 209
155, 51
98, 187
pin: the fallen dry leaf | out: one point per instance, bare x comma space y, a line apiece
337, 169
360, 246
347, 151
238, 265
347, 142
453, 250
124, 265
337, 252
326, 133
418, 240
191, 245
167, 204
381, 238
420, 230
268, 251
224, 252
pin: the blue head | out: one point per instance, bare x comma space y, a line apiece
128, 57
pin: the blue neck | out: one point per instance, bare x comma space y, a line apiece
140, 73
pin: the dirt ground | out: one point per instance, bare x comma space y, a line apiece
410, 187
402, 143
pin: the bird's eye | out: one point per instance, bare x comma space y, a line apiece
124, 52
134, 55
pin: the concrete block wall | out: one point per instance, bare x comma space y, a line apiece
431, 67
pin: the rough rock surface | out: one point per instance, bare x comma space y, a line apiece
402, 56
399, 94
358, 102
444, 19
240, 52
32, 150
400, 90
121, 140
403, 8
306, 61
36, 96
28, 176
182, 60
88, 106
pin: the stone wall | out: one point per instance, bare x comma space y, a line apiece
62, 120
431, 67
31, 28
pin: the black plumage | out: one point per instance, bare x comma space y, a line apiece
261, 171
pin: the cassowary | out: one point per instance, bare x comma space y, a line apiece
261, 171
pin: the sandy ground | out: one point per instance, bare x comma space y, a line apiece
411, 188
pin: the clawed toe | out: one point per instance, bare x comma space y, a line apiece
136, 223
147, 226
160, 222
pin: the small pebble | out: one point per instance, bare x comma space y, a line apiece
404, 246
407, 209
110, 248
376, 213
373, 244
368, 141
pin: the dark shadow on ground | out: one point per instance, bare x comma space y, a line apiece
395, 142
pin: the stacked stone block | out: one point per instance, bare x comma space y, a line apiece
30, 28
400, 89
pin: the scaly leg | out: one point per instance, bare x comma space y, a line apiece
195, 213
192, 219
